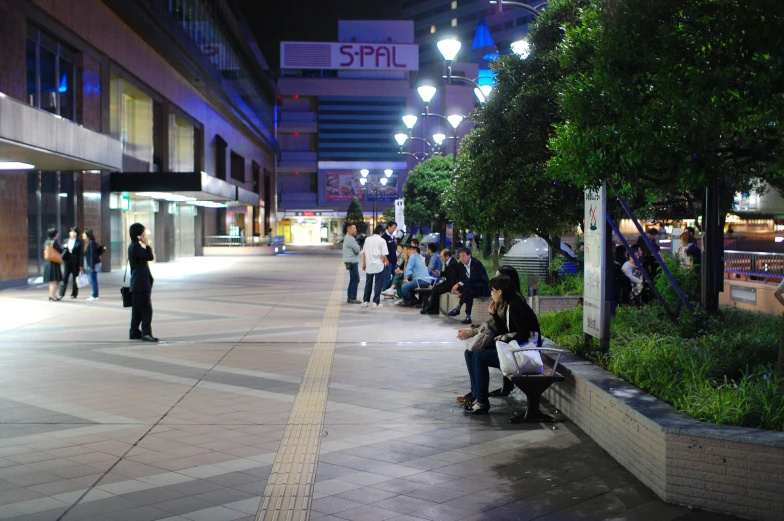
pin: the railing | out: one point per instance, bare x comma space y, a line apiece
754, 264
235, 241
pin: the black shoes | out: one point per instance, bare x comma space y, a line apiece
426, 311
149, 338
467, 320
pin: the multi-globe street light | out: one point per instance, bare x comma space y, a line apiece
372, 183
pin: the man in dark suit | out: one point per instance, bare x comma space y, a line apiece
451, 275
72, 262
139, 256
389, 237
473, 283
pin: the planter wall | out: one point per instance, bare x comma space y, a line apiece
732, 470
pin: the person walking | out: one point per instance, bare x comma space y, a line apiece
53, 257
139, 256
72, 262
374, 260
351, 259
92, 259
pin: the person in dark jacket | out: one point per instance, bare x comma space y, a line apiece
450, 276
92, 258
517, 324
473, 283
52, 272
139, 255
72, 262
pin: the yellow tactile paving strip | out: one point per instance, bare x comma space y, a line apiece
289, 489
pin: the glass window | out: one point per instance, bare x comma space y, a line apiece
432, 29
181, 145
454, 4
48, 65
32, 72
65, 88
454, 22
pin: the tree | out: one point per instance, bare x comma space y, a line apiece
354, 215
673, 96
424, 193
501, 181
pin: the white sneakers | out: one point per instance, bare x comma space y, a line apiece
366, 304
390, 292
90, 299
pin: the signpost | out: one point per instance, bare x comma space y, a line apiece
349, 56
596, 305
399, 211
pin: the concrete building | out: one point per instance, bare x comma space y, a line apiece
438, 19
341, 105
128, 110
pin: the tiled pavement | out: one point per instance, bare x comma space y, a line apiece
95, 427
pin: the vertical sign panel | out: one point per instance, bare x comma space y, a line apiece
400, 208
594, 228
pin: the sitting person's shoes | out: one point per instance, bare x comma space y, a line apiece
408, 303
477, 408
455, 312
391, 292
467, 320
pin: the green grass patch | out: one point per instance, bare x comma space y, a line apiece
717, 369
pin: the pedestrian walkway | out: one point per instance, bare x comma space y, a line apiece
270, 398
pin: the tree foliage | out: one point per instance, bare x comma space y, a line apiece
670, 95
354, 215
501, 181
424, 192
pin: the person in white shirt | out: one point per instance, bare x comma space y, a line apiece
374, 260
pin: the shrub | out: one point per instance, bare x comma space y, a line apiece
721, 371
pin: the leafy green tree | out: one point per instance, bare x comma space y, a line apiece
424, 193
501, 181
354, 215
675, 94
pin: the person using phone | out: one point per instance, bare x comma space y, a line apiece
139, 256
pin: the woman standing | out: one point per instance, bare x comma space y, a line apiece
91, 259
139, 255
72, 262
53, 256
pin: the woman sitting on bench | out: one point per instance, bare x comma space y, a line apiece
516, 323
500, 309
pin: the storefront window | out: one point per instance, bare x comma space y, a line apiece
131, 118
50, 74
181, 145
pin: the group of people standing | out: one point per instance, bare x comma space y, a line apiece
63, 263
77, 255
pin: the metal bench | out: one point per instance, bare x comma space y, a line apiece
533, 385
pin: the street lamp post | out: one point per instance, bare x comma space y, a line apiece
372, 183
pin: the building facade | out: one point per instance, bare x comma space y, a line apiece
159, 112
435, 20
341, 105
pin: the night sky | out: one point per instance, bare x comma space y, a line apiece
307, 20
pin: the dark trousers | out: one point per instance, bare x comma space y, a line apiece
141, 313
478, 364
373, 282
470, 291
69, 272
353, 282
435, 296
387, 277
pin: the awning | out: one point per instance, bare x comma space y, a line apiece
248, 197
48, 142
199, 185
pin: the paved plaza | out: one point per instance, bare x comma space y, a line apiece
269, 394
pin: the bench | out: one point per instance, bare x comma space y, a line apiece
449, 301
533, 385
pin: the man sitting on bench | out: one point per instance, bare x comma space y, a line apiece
472, 284
415, 275
450, 275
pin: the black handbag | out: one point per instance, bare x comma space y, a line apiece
125, 291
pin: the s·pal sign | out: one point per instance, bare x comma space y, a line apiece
349, 56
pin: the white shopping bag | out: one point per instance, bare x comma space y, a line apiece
515, 359
82, 281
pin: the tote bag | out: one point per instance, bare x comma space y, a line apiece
482, 339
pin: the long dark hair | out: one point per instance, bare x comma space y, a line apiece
51, 233
512, 273
89, 234
504, 283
